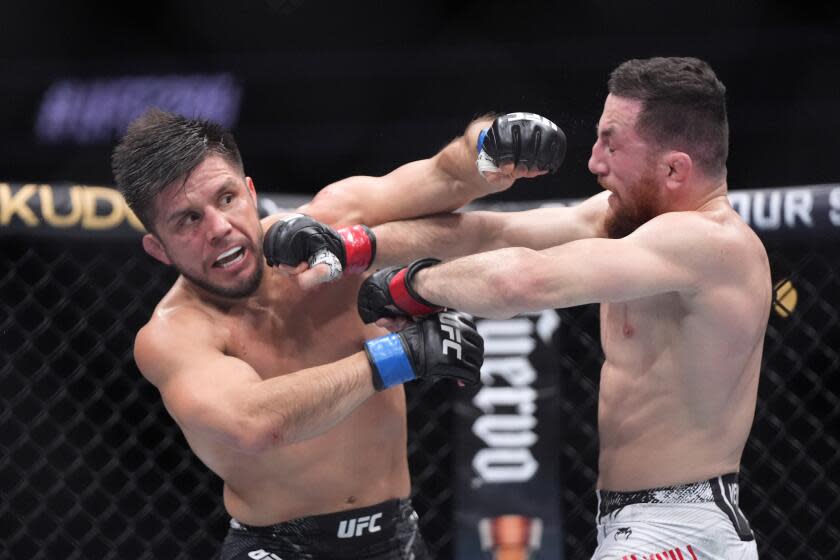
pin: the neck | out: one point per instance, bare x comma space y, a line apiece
702, 195
713, 194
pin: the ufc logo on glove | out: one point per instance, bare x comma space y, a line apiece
449, 325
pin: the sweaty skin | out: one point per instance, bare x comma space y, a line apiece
680, 376
685, 300
272, 389
208, 356
359, 461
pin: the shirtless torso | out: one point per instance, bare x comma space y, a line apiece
679, 381
361, 461
684, 305
685, 298
285, 393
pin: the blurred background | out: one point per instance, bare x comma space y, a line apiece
316, 91
91, 465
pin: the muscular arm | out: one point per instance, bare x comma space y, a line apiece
671, 253
208, 391
455, 235
441, 183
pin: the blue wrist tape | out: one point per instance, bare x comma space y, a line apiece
389, 361
481, 136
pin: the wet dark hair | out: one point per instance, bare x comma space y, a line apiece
683, 107
159, 148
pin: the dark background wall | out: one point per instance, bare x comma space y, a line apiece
331, 89
91, 466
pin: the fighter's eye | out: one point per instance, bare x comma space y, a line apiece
227, 198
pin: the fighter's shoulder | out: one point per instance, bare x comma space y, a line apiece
719, 237
172, 334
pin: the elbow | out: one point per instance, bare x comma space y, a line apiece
462, 193
336, 205
237, 423
254, 436
247, 431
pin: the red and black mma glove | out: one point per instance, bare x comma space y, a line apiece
388, 293
299, 238
443, 345
525, 139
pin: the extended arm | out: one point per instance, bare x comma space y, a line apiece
671, 253
516, 145
455, 235
506, 148
659, 257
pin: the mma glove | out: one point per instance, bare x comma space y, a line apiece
524, 139
299, 238
388, 293
443, 345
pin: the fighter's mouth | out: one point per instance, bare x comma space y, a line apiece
230, 257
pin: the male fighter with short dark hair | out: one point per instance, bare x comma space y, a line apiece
286, 395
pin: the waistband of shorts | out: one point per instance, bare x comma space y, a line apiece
385, 513
690, 493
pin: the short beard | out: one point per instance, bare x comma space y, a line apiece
235, 292
627, 217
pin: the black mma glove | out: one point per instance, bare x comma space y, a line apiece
444, 345
388, 293
525, 139
299, 238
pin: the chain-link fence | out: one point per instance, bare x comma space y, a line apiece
91, 465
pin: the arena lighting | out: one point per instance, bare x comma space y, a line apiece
97, 110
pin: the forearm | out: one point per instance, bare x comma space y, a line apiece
448, 236
443, 236
304, 404
506, 282
442, 183
488, 284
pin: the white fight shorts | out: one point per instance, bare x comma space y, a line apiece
694, 521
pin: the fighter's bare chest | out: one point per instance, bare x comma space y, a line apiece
639, 322
280, 343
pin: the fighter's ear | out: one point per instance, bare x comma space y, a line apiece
153, 246
251, 189
678, 167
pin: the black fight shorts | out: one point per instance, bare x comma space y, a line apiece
386, 531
